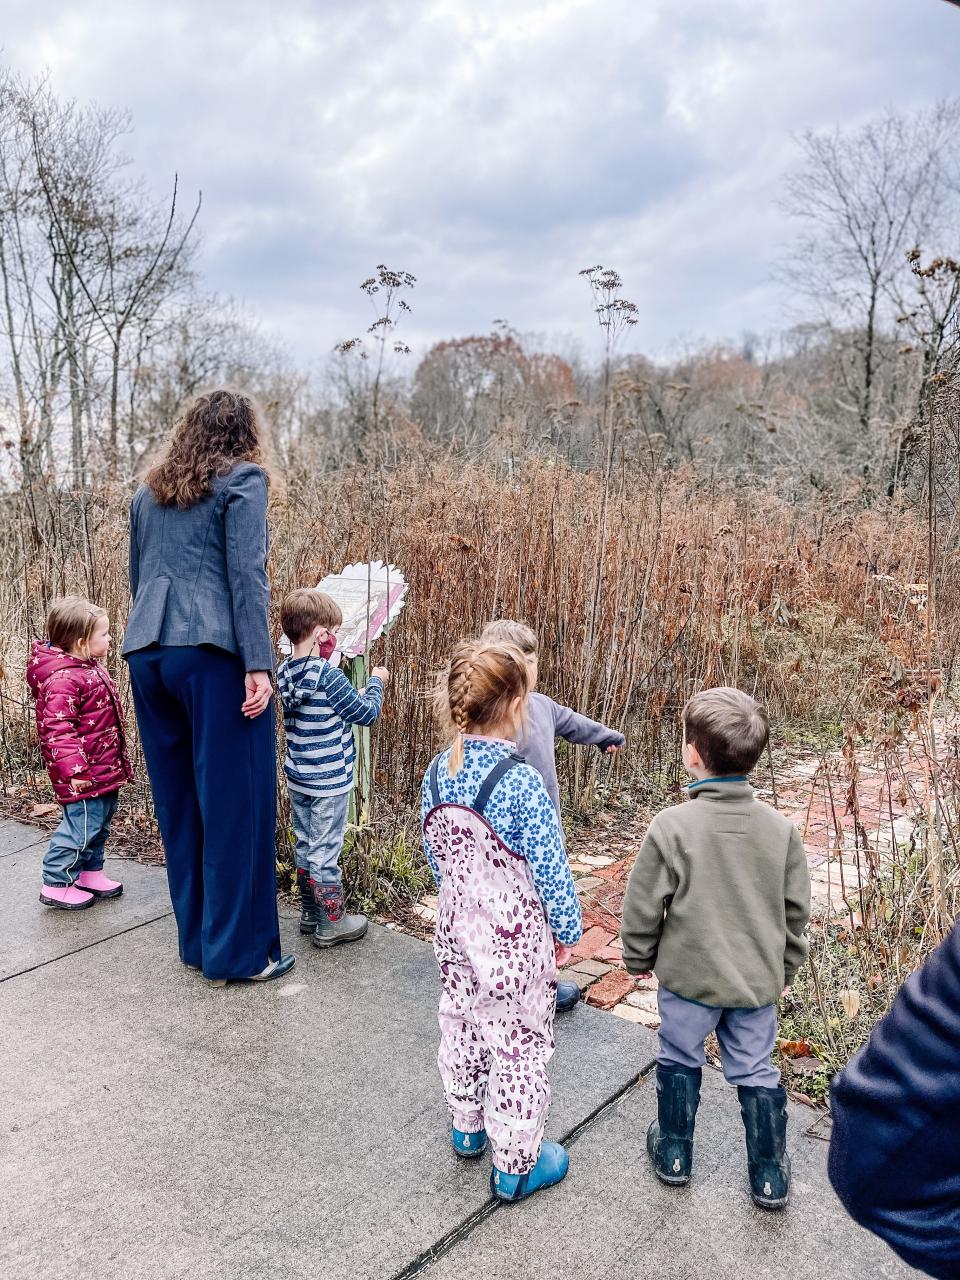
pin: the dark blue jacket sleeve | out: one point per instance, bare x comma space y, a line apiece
895, 1144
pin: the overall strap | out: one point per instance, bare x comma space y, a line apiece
434, 784
490, 781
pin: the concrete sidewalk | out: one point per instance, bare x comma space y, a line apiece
154, 1127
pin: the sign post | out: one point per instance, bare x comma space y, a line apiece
370, 597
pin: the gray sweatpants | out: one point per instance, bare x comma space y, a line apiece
746, 1037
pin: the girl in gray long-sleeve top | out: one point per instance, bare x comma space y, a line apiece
546, 721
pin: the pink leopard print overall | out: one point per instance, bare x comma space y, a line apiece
498, 971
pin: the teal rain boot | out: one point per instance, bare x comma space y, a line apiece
469, 1145
551, 1168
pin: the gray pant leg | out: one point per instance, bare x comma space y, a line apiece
747, 1037
684, 1025
301, 807
318, 825
326, 838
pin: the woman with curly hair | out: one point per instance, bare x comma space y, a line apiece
200, 656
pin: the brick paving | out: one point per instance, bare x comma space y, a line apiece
857, 812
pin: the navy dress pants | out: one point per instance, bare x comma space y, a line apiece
214, 780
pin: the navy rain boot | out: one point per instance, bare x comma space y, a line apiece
308, 907
568, 995
670, 1136
551, 1168
764, 1114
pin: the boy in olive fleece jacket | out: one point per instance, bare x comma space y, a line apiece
716, 906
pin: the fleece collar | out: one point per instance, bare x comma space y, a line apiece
727, 789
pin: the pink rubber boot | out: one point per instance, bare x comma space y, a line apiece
65, 896
99, 885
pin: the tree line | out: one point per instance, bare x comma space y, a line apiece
105, 326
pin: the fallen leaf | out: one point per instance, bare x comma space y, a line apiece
850, 1002
805, 1066
41, 810
795, 1048
802, 1097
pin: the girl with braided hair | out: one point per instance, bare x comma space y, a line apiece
508, 911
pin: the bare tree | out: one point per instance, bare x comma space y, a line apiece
866, 197
29, 326
89, 268
135, 257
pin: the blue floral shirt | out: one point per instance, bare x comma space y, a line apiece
521, 813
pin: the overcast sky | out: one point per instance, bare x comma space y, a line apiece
492, 149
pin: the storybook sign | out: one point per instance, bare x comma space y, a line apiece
370, 596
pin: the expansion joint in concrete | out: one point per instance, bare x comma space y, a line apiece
462, 1230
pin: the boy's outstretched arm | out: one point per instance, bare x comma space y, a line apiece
796, 898
583, 731
651, 885
349, 705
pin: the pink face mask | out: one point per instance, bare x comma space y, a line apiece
328, 646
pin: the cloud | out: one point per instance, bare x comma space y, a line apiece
492, 150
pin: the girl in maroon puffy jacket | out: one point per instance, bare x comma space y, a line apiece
80, 725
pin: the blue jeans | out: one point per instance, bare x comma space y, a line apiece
77, 844
746, 1038
318, 824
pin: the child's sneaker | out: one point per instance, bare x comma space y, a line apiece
469, 1145
568, 995
333, 924
99, 885
66, 897
309, 916
670, 1136
551, 1168
764, 1114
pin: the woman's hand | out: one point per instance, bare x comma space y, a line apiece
564, 954
259, 692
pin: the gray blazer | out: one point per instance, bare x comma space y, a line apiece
199, 576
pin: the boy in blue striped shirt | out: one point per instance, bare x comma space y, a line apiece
320, 707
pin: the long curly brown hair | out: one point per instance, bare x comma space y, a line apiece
214, 432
